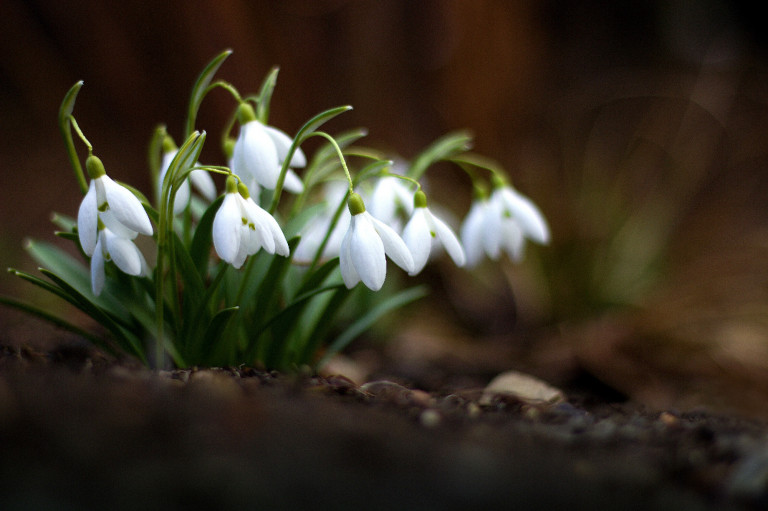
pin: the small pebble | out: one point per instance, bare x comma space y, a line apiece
430, 418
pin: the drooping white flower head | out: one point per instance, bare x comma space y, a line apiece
122, 251
363, 249
389, 194
112, 204
315, 231
423, 230
512, 204
259, 152
500, 224
478, 232
241, 227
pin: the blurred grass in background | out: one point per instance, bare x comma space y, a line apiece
640, 129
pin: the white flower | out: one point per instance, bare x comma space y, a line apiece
389, 194
241, 228
116, 206
122, 251
511, 203
363, 249
422, 229
501, 224
201, 180
314, 232
259, 153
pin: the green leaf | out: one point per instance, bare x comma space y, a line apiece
364, 323
127, 339
75, 273
55, 320
314, 123
68, 103
215, 348
200, 248
200, 89
265, 95
446, 147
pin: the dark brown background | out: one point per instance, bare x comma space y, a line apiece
640, 128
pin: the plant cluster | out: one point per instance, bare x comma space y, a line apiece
269, 270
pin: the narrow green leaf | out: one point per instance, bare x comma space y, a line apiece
447, 146
200, 248
364, 323
265, 95
314, 123
200, 89
54, 320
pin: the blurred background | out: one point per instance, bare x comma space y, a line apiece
639, 128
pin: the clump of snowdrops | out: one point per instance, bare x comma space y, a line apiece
270, 269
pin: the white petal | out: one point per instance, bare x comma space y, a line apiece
293, 182
110, 222
260, 233
418, 239
348, 272
472, 233
394, 246
283, 144
204, 184
181, 199
512, 239
226, 228
527, 214
447, 238
367, 252
97, 270
87, 221
255, 154
126, 207
123, 253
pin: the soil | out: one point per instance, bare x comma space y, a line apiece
82, 431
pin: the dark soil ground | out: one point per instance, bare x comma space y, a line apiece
81, 431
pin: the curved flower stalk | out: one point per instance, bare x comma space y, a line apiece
363, 249
110, 203
423, 229
241, 227
260, 151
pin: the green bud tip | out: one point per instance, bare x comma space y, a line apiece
498, 181
231, 185
168, 144
419, 199
243, 190
228, 147
245, 113
355, 204
95, 167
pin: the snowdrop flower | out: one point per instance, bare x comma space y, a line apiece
363, 249
422, 229
122, 251
259, 152
390, 193
502, 224
479, 232
241, 227
313, 234
111, 204
510, 203
201, 180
